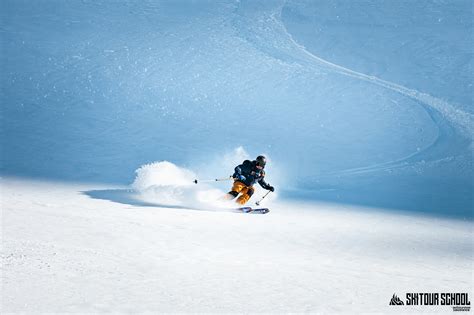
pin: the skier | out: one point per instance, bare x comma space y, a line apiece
245, 176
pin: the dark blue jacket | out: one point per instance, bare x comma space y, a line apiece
251, 173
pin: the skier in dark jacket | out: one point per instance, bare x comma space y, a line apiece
245, 176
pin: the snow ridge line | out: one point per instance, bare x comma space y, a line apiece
461, 120
457, 116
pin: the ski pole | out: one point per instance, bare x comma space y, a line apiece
212, 180
258, 202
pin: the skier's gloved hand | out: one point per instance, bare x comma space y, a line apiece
241, 178
271, 188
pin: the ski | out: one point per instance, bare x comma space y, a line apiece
253, 210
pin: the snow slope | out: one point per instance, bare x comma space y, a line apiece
93, 89
364, 110
63, 251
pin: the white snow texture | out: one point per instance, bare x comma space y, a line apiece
112, 109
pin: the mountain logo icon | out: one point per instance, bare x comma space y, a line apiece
396, 300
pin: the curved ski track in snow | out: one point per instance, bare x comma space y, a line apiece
451, 121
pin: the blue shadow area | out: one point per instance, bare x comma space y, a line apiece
123, 196
433, 199
92, 90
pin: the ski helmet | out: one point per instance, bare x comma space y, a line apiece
261, 160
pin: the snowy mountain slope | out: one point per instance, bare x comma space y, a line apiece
424, 45
63, 251
93, 90
363, 109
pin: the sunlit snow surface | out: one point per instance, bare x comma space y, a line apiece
110, 109
63, 251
